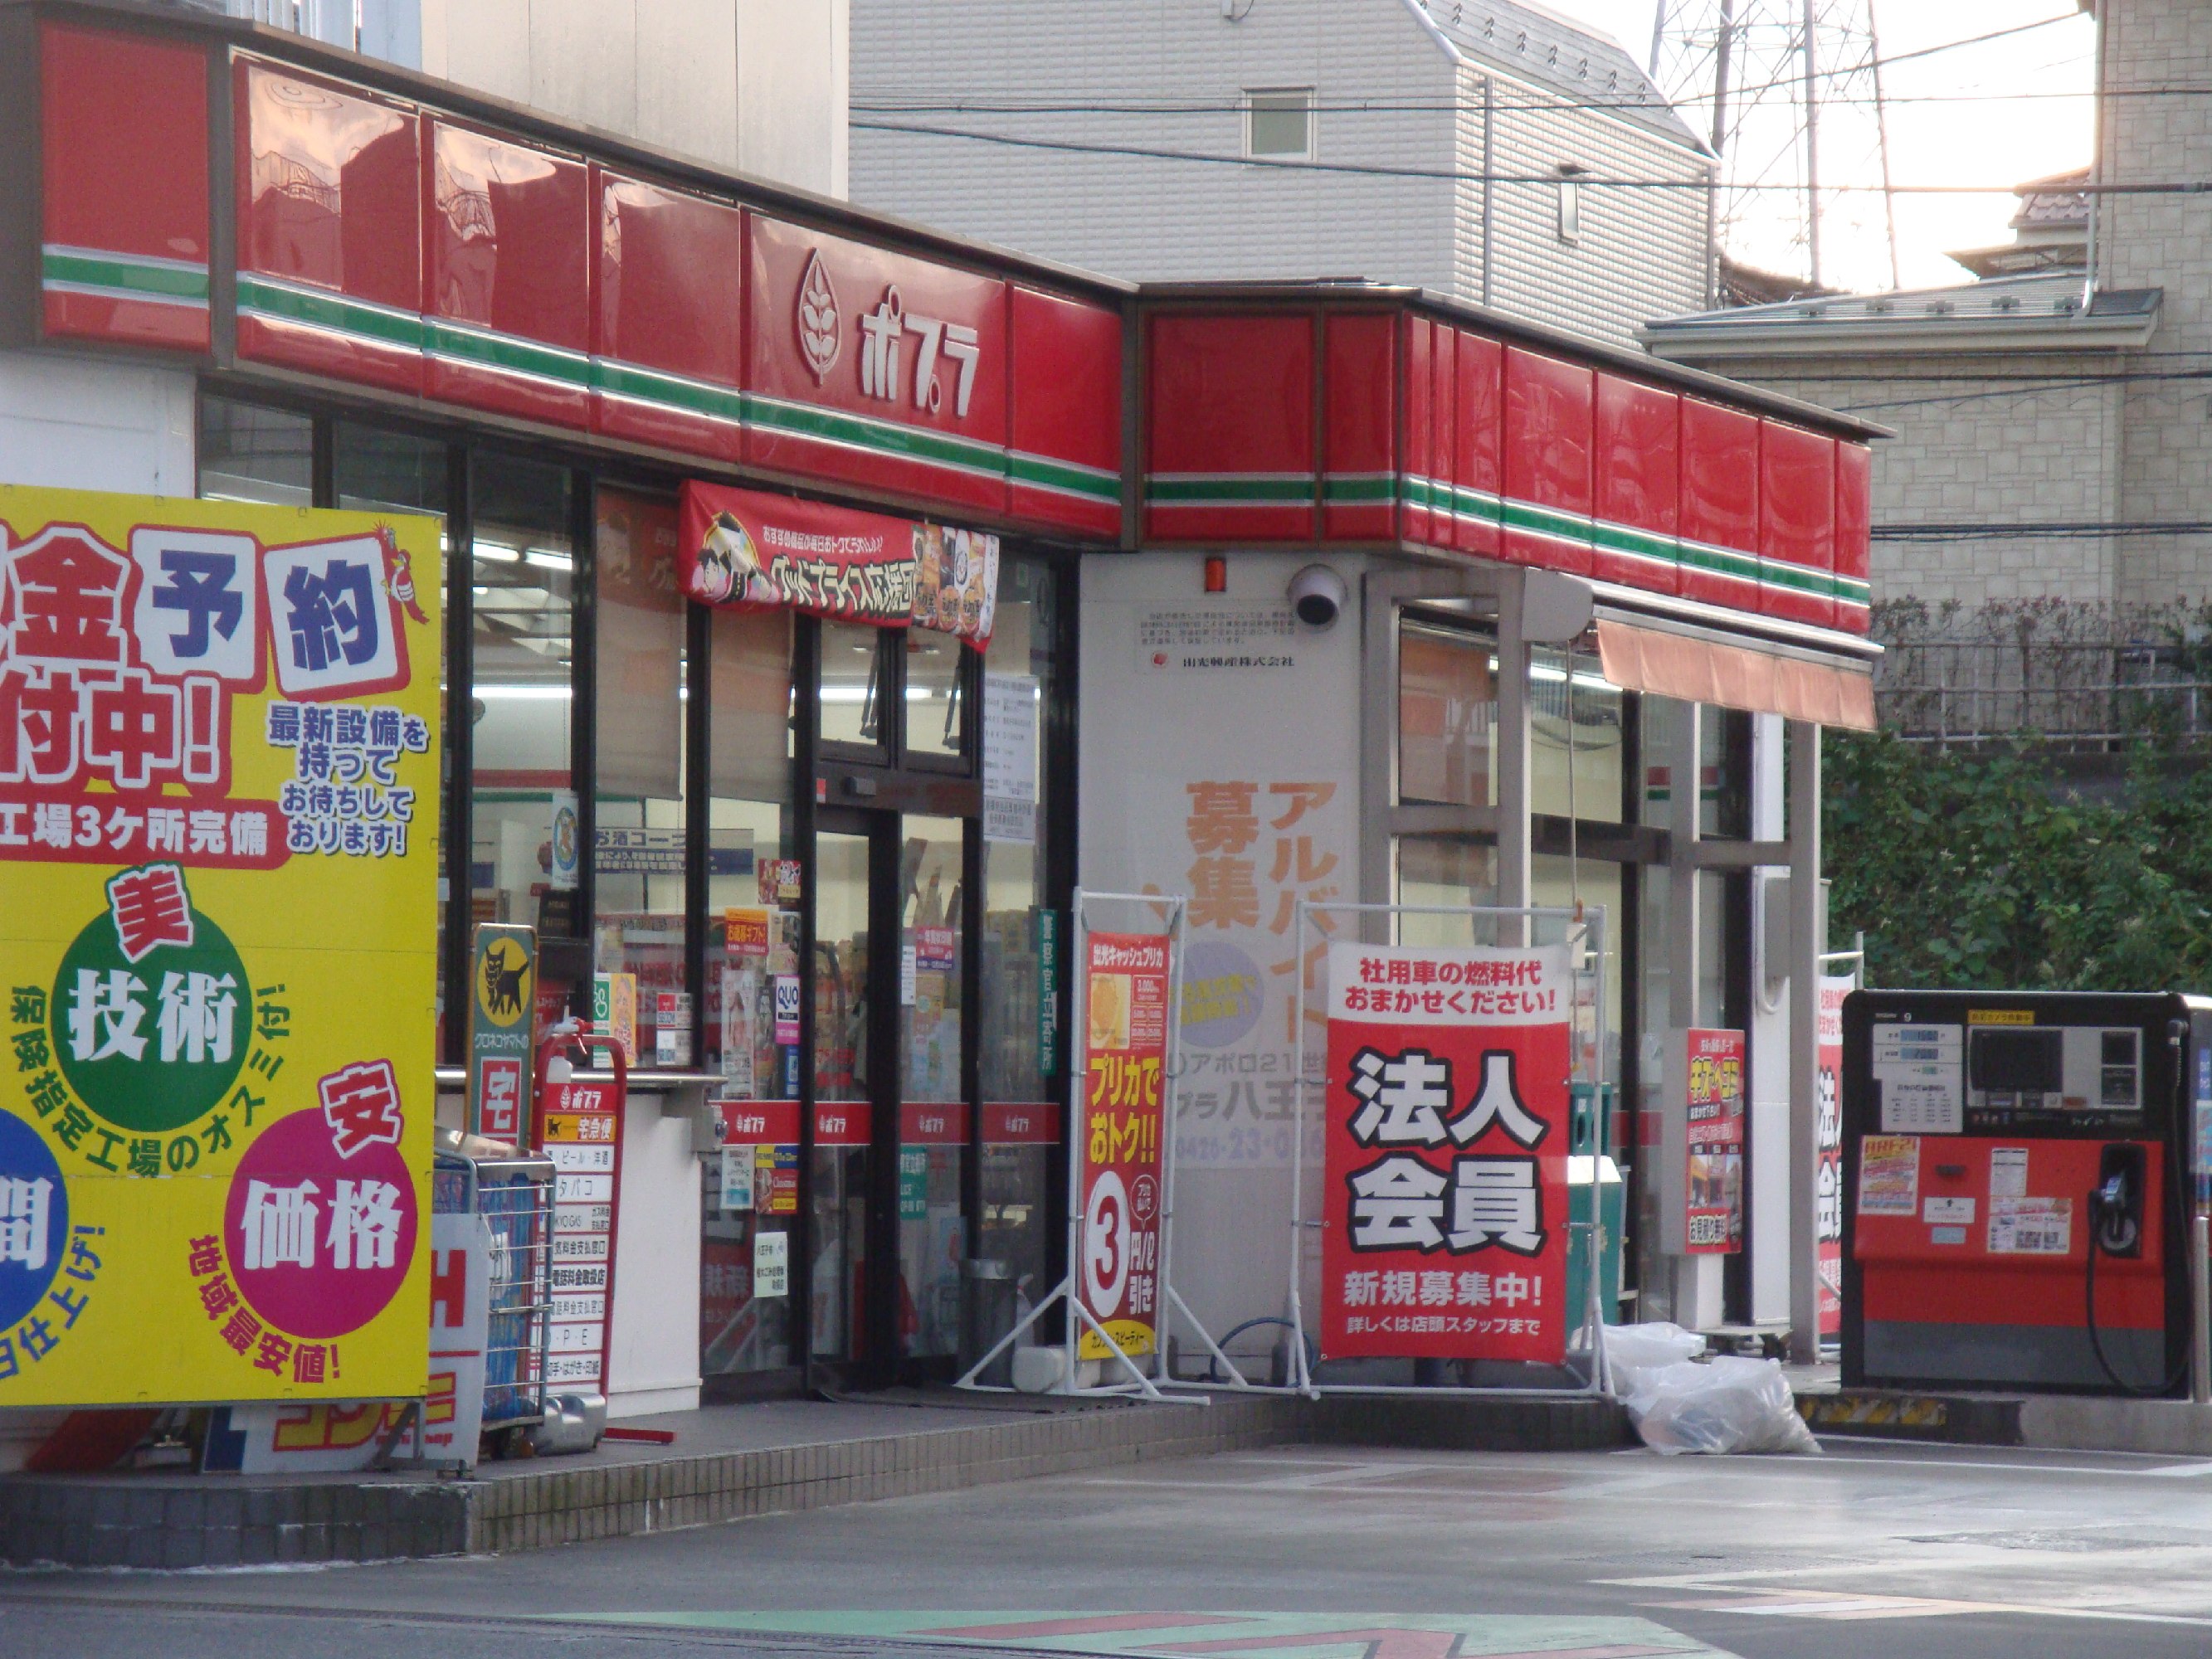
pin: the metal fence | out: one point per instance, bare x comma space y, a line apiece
2073, 693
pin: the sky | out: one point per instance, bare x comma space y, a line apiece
1995, 114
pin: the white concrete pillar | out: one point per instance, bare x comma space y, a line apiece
1805, 947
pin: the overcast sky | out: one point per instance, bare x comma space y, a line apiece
1955, 118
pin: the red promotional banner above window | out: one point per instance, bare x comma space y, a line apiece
1445, 1233
744, 547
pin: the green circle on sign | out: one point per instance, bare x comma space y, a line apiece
151, 1044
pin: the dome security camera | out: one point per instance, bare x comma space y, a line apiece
1317, 595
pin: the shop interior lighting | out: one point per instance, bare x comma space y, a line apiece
546, 559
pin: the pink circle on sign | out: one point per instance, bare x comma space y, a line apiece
320, 1244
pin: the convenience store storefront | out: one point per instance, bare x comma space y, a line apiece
385, 293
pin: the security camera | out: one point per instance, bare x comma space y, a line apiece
1317, 594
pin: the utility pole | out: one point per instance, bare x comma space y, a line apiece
1813, 138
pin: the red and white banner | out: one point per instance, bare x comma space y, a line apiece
745, 547
1828, 1136
1712, 1175
579, 1126
1119, 1138
1445, 1230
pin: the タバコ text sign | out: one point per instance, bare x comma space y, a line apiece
219, 754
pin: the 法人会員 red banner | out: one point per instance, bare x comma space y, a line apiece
745, 547
1444, 1234
1124, 1077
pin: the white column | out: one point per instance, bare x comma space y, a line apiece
1512, 739
1805, 947
1698, 1301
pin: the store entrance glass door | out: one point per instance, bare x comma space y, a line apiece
890, 1206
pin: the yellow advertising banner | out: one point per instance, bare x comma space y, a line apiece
219, 764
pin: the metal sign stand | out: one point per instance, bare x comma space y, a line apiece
1583, 935
1171, 1299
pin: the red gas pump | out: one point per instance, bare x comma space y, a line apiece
2016, 1173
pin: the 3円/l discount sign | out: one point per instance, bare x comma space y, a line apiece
1125, 999
1445, 1163
218, 841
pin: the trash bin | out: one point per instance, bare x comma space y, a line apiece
1593, 1184
988, 1314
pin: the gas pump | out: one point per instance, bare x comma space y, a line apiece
2018, 1172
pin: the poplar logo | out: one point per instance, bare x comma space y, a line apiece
820, 339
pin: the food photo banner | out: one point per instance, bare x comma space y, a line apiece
745, 547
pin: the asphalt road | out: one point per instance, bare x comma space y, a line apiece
1299, 1553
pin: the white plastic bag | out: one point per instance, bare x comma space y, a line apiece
1632, 1350
1722, 1405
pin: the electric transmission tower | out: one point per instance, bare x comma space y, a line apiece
1788, 95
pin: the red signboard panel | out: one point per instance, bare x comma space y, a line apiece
1797, 523
1020, 1124
1548, 408
1360, 486
876, 367
1854, 530
1230, 411
506, 317
1719, 515
1444, 1226
123, 155
330, 210
667, 314
1713, 1173
1427, 514
1120, 1142
1637, 484
1067, 411
1479, 434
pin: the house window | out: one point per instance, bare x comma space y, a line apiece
1278, 124
1570, 202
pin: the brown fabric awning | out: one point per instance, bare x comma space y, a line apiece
1735, 676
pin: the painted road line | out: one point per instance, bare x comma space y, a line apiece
1219, 1635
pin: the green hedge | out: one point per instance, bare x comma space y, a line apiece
1982, 870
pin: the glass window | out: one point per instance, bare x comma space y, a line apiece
1655, 1275
1445, 871
1280, 123
1016, 1061
250, 453
932, 1234
752, 955
380, 471
1583, 715
637, 843
841, 1074
1019, 670
936, 711
1559, 883
852, 663
524, 569
1447, 715
752, 887
375, 470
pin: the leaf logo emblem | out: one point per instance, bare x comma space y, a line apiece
819, 337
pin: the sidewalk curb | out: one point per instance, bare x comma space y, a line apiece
149, 1521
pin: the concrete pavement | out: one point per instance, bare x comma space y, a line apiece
1948, 1552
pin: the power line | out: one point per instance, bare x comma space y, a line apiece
1453, 175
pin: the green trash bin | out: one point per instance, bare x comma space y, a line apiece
1594, 1182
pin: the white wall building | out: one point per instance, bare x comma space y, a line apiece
755, 86
1056, 129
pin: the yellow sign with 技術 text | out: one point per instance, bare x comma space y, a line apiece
219, 763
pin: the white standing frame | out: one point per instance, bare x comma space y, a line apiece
1171, 1300
1585, 931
